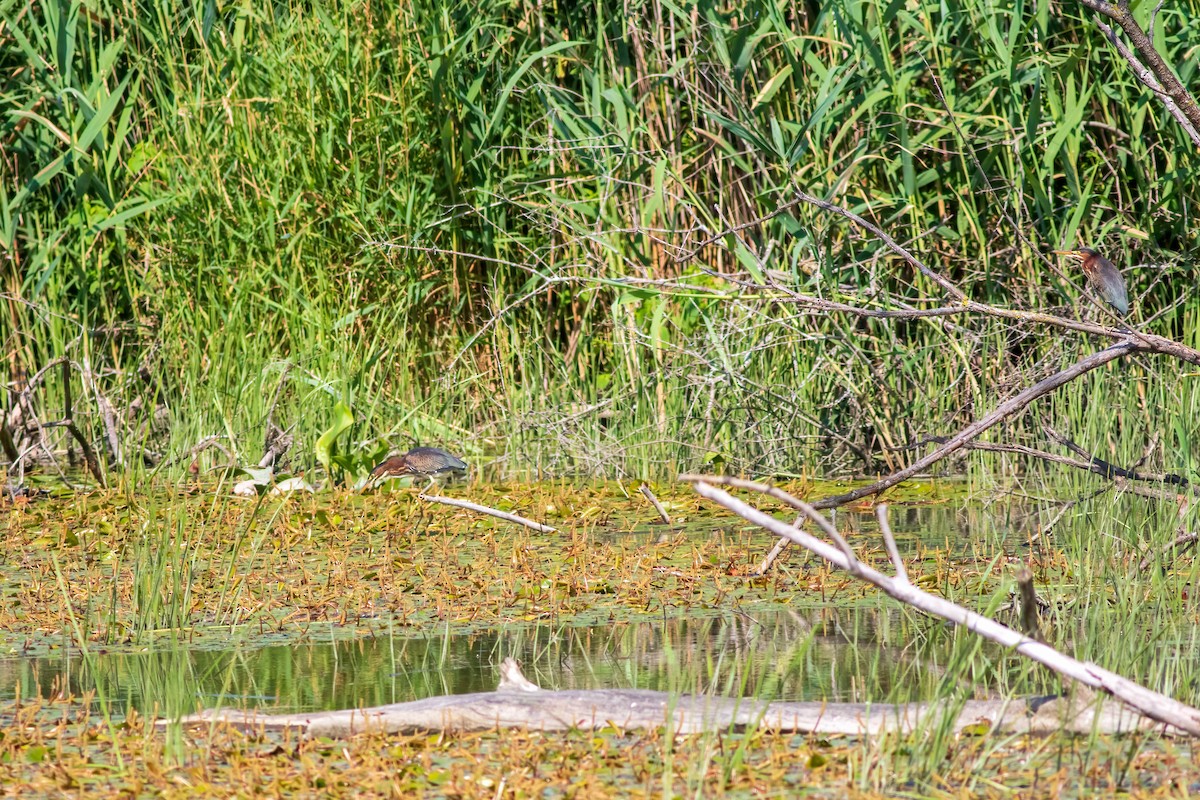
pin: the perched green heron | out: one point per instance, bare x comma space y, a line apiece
430, 462
1103, 277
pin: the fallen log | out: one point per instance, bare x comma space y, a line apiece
517, 703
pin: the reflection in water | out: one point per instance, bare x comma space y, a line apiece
847, 652
793, 655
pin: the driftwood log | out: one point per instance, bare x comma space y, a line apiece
517, 703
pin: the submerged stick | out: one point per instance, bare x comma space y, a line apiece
649, 495
504, 515
768, 561
1154, 705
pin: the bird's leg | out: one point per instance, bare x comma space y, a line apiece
432, 482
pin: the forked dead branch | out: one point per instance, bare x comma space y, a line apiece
1145, 701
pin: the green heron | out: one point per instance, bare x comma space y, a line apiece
428, 461
1103, 277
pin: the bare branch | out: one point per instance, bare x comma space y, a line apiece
804, 508
1146, 76
1101, 467
649, 495
89, 455
1152, 704
1009, 408
1092, 463
889, 541
1119, 13
504, 515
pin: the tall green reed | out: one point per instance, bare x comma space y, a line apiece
543, 169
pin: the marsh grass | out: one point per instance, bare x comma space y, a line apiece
437, 214
387, 603
606, 762
215, 569
462, 221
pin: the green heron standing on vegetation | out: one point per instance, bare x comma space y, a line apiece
428, 461
1104, 278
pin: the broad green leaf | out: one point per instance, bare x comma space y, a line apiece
102, 116
122, 217
343, 418
772, 87
502, 100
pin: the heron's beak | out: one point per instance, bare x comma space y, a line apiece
1066, 252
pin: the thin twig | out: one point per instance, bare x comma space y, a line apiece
449, 501
649, 495
1067, 506
889, 541
689, 255
1182, 542
27, 391
213, 441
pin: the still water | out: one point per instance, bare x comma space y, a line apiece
845, 648
790, 654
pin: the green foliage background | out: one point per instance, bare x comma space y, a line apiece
465, 220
